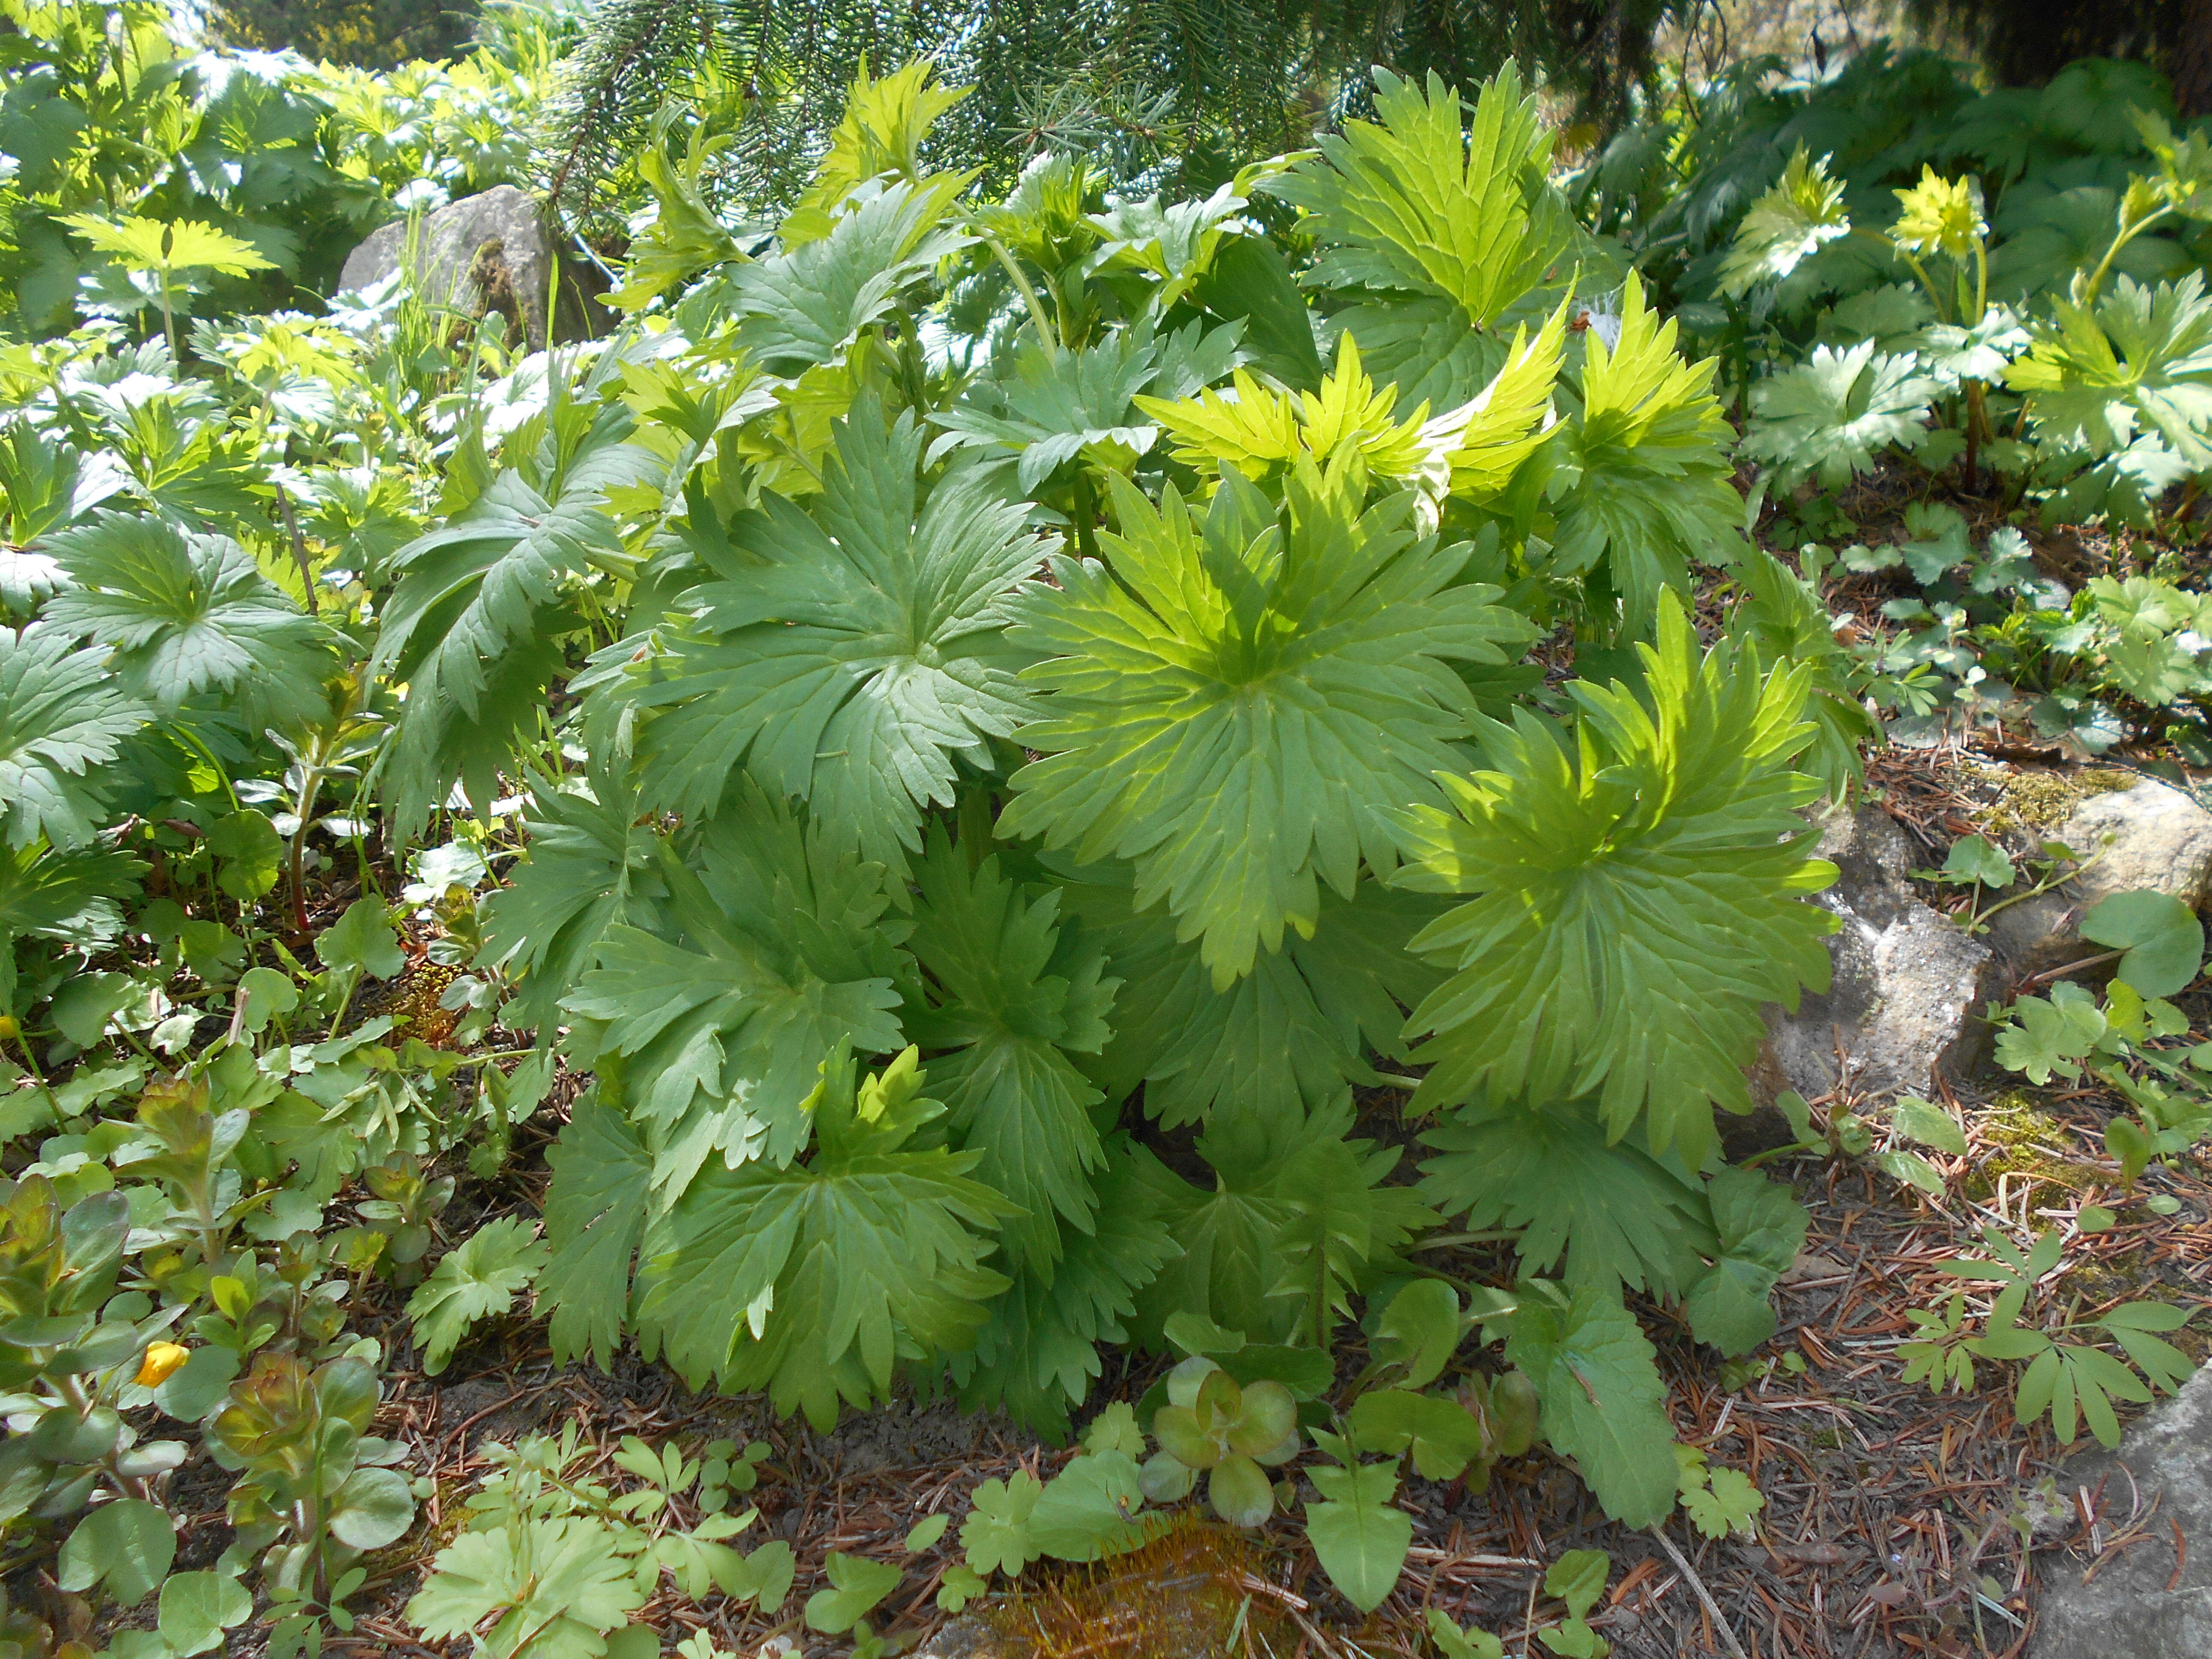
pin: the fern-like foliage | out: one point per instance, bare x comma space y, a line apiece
846, 656
777, 948
1238, 702
1641, 897
811, 1282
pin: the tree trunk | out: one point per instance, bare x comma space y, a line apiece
2192, 59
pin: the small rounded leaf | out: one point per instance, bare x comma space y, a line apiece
1176, 1427
2163, 939
1185, 1380
197, 1607
129, 1544
1240, 1491
374, 1508
1166, 1478
1269, 1415
1419, 1331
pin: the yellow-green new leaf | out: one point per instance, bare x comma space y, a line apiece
1239, 702
1641, 897
155, 245
1799, 215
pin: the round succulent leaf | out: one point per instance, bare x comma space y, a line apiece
1240, 1491
1176, 1428
1513, 1408
1219, 1405
1269, 1413
1166, 1478
1184, 1381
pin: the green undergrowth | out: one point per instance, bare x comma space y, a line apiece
932, 770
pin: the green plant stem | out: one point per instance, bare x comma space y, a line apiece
2095, 285
1447, 1241
1086, 510
184, 735
1047, 335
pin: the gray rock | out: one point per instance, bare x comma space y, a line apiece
483, 253
2126, 1612
2151, 836
1907, 982
966, 1637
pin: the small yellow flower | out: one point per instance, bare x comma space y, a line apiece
161, 1363
9, 1027
1941, 216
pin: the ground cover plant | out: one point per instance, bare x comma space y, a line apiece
902, 807
1986, 305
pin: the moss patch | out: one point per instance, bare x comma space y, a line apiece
2022, 1141
2034, 802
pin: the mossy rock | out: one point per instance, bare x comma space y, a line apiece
2020, 1134
2033, 804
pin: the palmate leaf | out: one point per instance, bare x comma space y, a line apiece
2138, 361
804, 306
1010, 1002
1260, 432
477, 1279
1238, 702
811, 1282
1641, 897
1829, 417
554, 1586
1465, 232
1643, 486
1799, 215
1759, 1228
1344, 1224
187, 614
592, 865
882, 129
845, 657
153, 245
467, 626
1477, 447
596, 1206
778, 951
1289, 1038
1783, 618
1616, 1211
62, 717
45, 484
69, 896
1255, 1248
1052, 409
1038, 1353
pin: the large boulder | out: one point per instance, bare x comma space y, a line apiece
1907, 985
2145, 835
480, 254
2128, 1611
